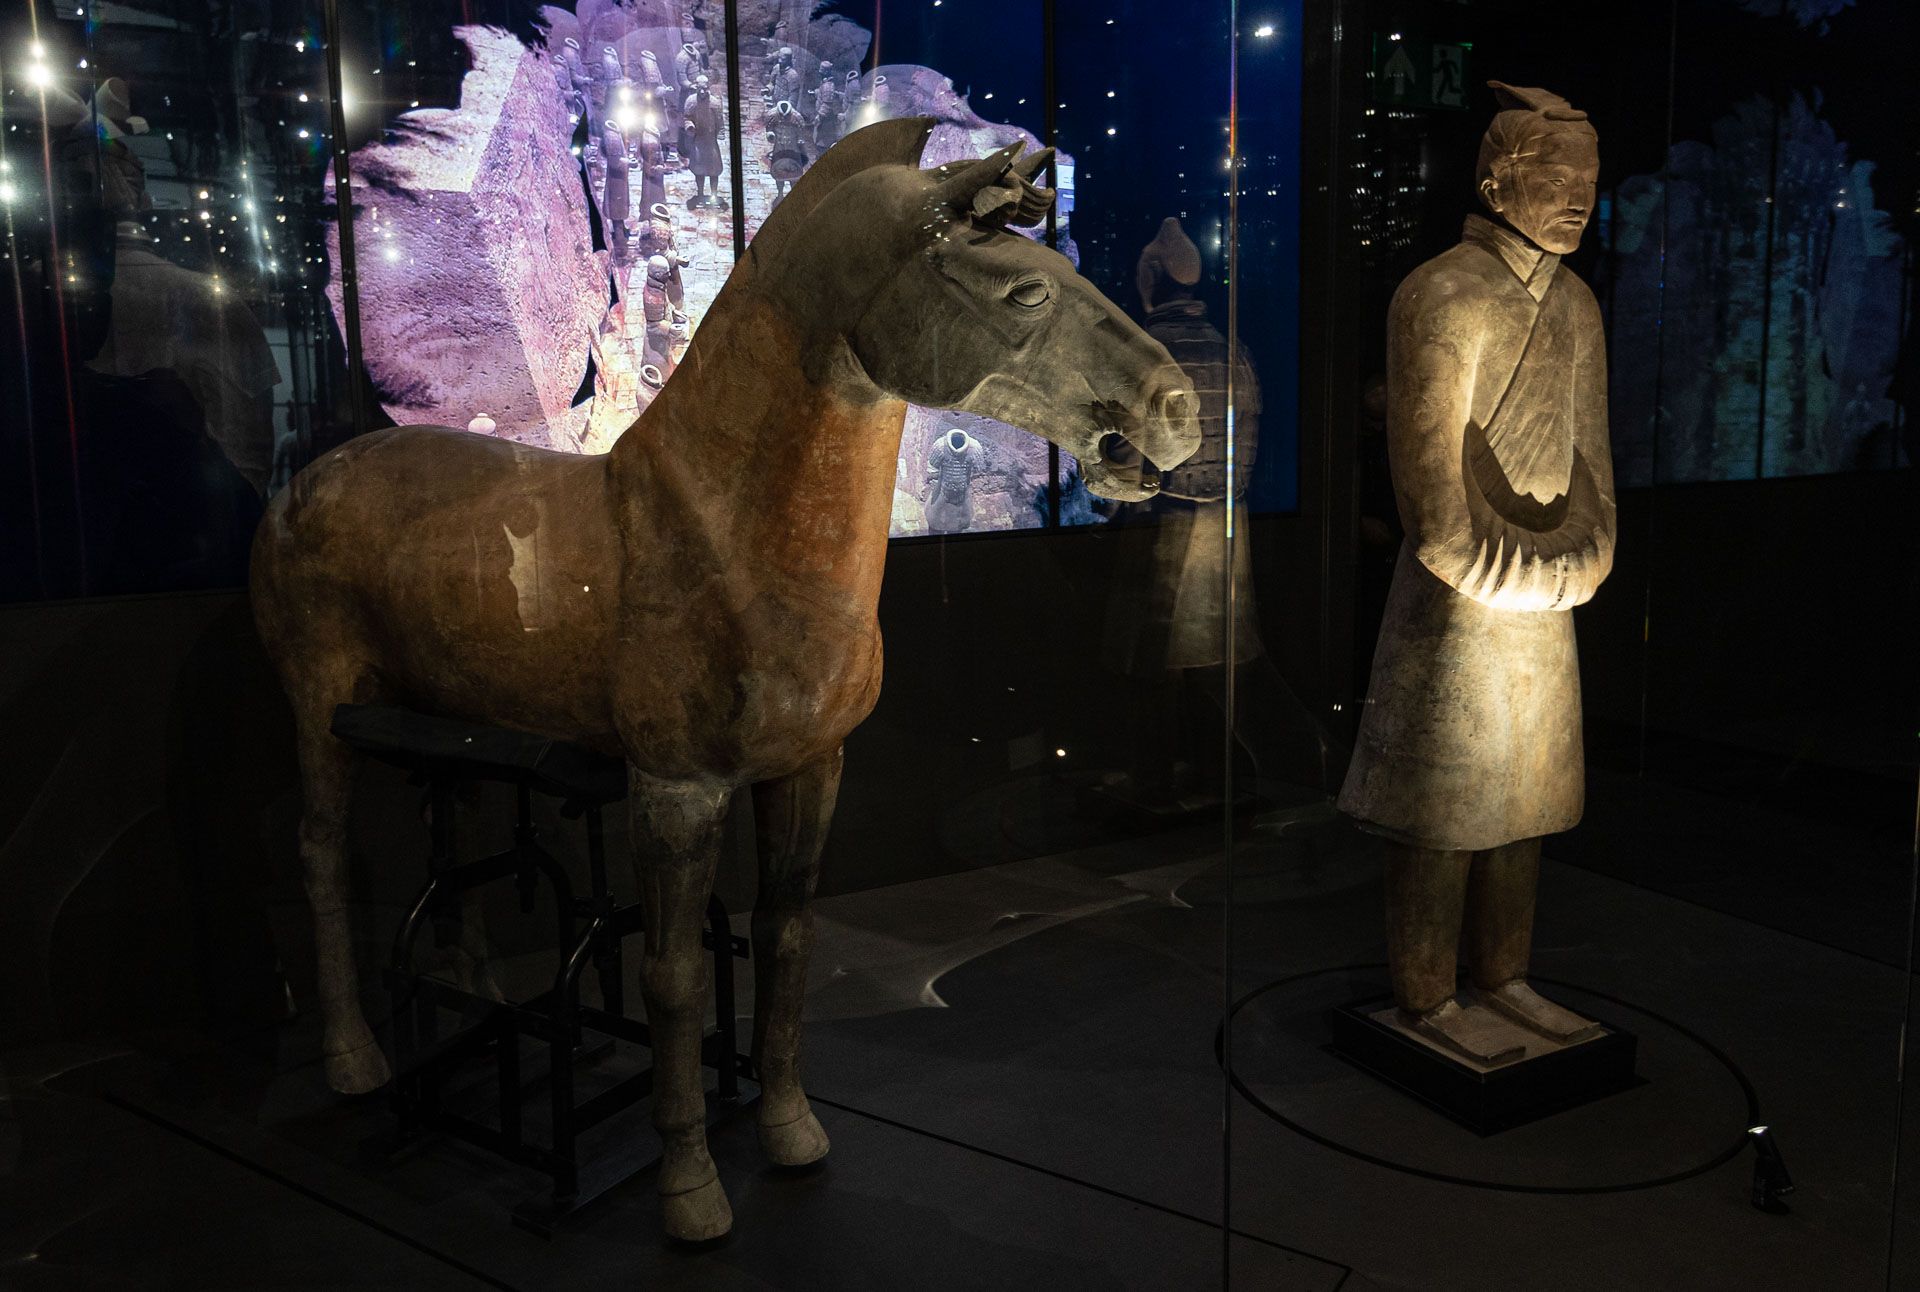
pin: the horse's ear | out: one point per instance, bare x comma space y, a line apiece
997, 191
1030, 166
958, 188
897, 141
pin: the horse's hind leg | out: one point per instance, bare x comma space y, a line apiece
793, 816
355, 1064
677, 827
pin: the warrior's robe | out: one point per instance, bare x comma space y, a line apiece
704, 127
617, 202
1497, 437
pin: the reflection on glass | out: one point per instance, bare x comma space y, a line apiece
813, 90
541, 242
160, 192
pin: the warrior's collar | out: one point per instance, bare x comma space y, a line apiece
1181, 309
1532, 266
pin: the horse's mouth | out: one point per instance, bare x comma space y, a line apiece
1126, 461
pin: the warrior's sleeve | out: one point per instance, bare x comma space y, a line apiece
1552, 558
1592, 455
1246, 422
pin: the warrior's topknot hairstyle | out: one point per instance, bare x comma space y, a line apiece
1528, 115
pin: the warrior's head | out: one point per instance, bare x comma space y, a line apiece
956, 439
1169, 266
1539, 163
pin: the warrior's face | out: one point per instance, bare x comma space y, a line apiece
1548, 196
956, 440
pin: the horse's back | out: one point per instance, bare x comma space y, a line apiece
474, 575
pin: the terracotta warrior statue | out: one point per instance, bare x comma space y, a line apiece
1470, 749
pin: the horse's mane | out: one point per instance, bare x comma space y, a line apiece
895, 142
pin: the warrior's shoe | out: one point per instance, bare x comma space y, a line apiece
1533, 1011
1473, 1032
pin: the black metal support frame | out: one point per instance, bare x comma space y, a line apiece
589, 930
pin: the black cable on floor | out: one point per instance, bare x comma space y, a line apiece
1076, 1180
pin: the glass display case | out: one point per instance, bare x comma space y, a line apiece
1392, 528
1732, 903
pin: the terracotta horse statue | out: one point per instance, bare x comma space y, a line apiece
702, 599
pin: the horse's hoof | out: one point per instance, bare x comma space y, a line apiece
359, 1070
800, 1142
699, 1215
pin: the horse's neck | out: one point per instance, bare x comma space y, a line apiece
790, 475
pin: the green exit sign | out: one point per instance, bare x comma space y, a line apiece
1411, 71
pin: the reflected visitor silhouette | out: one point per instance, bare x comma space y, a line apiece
1168, 616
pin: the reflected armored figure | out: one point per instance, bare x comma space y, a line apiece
615, 204
606, 85
772, 44
690, 62
783, 80
651, 81
1167, 619
704, 126
952, 462
827, 105
659, 102
1470, 748
655, 238
96, 151
657, 309
654, 165
786, 147
770, 87
166, 320
571, 74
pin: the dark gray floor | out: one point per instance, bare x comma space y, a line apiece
1017, 1066
184, 1191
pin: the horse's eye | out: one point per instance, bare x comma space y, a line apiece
1032, 294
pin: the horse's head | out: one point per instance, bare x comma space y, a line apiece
939, 304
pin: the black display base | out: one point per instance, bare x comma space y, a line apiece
1490, 1100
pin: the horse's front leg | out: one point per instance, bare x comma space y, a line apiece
677, 828
793, 815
